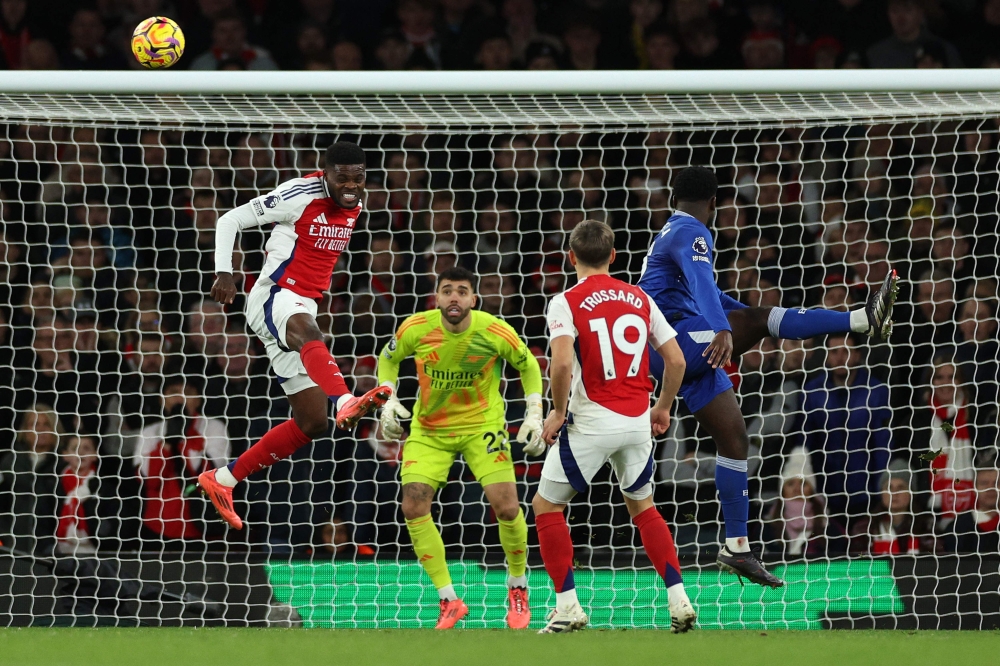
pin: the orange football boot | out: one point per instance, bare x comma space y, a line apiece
451, 612
355, 408
518, 610
221, 496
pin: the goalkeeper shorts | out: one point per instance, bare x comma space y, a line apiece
428, 459
576, 457
269, 308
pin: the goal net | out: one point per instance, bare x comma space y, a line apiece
872, 468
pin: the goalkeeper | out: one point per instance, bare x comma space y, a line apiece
459, 410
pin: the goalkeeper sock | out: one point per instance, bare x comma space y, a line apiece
322, 369
731, 482
557, 550
429, 547
799, 324
659, 545
277, 444
514, 539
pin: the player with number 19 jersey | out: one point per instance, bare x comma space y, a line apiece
612, 322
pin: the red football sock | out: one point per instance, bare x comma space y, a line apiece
322, 369
557, 549
659, 545
277, 444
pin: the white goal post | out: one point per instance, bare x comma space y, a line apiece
110, 185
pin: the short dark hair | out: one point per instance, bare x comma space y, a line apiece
457, 274
695, 184
592, 242
344, 152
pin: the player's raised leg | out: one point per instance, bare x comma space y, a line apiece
310, 404
751, 325
429, 549
513, 528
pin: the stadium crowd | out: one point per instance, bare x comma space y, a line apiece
511, 34
120, 381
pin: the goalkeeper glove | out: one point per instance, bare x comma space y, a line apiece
530, 433
391, 414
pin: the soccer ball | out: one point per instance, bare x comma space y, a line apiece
157, 42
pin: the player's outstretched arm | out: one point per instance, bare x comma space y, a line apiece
673, 374
560, 379
226, 230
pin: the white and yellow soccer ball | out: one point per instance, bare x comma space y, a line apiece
157, 43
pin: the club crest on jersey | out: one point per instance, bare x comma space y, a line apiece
700, 245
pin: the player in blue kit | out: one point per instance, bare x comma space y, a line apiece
713, 327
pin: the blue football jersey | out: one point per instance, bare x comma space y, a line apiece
678, 273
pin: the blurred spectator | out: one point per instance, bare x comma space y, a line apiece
28, 484
702, 47
205, 341
763, 50
457, 24
582, 41
893, 528
171, 455
346, 56
978, 530
909, 36
495, 53
661, 48
15, 34
522, 27
847, 428
334, 538
943, 431
40, 54
644, 15
240, 394
229, 40
542, 55
978, 358
141, 384
930, 328
824, 53
392, 51
87, 48
77, 529
416, 25
796, 525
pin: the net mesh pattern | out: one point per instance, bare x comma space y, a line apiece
109, 212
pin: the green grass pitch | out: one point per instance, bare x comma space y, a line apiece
277, 647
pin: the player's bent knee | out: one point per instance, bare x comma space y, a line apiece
417, 499
507, 512
542, 505
312, 425
639, 501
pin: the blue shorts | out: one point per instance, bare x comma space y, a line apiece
701, 382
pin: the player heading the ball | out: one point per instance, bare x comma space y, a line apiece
600, 333
712, 328
459, 409
313, 219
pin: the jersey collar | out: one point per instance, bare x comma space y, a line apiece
326, 185
680, 213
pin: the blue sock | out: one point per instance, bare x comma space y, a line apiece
731, 482
799, 324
